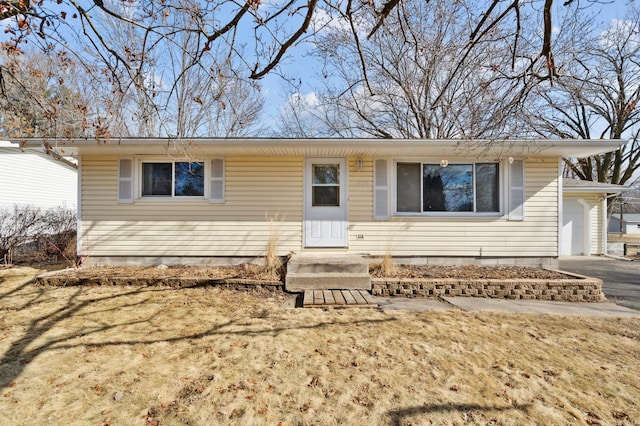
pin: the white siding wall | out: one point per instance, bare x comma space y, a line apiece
597, 224
632, 228
33, 178
263, 198
261, 189
595, 216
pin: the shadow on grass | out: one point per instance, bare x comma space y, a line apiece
24, 350
17, 289
217, 330
21, 351
397, 416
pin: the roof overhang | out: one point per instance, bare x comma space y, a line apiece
53, 156
585, 186
628, 218
489, 149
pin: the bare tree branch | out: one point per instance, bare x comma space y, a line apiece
255, 74
363, 64
547, 51
382, 15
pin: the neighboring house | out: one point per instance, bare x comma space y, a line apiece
630, 223
215, 200
584, 216
31, 177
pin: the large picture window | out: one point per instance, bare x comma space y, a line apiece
455, 188
177, 179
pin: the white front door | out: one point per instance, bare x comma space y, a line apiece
325, 203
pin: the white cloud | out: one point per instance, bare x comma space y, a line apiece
310, 99
304, 103
323, 20
619, 30
332, 22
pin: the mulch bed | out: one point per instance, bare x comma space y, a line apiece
472, 272
255, 272
246, 272
502, 281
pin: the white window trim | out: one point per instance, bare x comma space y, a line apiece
503, 182
137, 180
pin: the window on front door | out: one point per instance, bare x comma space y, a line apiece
325, 185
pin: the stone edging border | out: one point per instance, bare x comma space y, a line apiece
577, 289
62, 280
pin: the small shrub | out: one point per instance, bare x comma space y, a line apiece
31, 234
387, 267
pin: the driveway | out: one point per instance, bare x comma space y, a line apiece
621, 279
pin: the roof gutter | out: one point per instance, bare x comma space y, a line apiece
481, 148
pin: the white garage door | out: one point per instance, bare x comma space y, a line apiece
573, 228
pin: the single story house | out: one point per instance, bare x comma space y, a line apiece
29, 176
584, 216
222, 200
629, 224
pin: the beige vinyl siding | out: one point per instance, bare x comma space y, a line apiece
536, 235
263, 193
263, 196
360, 202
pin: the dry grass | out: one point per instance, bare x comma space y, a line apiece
153, 355
272, 262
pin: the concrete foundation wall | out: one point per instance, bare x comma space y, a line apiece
543, 262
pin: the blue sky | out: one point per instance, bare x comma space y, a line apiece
307, 70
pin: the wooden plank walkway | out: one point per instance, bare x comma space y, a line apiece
338, 299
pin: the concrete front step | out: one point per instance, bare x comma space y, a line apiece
327, 281
327, 272
321, 263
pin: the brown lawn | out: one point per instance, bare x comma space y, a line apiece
154, 355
